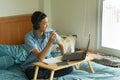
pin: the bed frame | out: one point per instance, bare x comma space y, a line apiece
14, 28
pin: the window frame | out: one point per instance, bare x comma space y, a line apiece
100, 48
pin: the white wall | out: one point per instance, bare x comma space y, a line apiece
68, 16
76, 17
47, 10
18, 7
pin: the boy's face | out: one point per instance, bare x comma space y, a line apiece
44, 24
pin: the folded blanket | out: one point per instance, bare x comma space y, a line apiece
111, 61
107, 62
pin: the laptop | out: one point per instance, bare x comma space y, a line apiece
77, 55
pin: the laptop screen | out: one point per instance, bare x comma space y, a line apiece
88, 44
76, 56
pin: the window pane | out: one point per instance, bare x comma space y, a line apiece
111, 24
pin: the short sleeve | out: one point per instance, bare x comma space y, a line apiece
30, 43
58, 39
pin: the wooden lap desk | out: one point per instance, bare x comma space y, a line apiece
55, 67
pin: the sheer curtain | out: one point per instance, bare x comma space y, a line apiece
109, 26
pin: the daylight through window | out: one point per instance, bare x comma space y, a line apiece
110, 36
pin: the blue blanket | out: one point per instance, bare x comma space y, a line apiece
18, 52
12, 70
101, 73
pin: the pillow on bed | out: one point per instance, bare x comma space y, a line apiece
69, 42
18, 52
6, 61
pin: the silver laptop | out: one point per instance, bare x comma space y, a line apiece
76, 55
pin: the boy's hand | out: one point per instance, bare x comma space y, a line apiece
52, 37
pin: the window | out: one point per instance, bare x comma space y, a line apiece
109, 26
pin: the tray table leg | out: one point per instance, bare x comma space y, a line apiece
91, 67
51, 75
36, 73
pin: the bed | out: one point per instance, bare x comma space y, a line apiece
12, 32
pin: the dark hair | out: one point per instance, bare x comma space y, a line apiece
36, 17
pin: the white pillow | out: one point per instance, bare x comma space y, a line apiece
69, 42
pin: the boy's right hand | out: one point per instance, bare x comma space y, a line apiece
52, 37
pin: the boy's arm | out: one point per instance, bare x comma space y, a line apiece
61, 47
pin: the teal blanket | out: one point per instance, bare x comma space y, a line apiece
17, 54
101, 73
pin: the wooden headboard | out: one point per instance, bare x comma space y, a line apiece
14, 28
